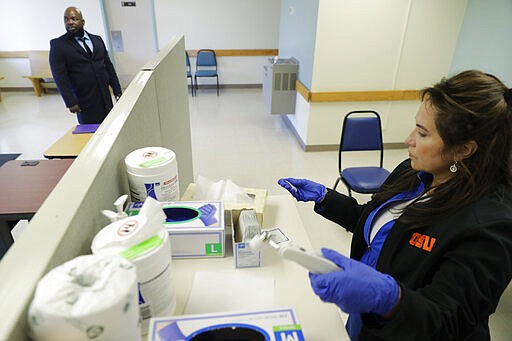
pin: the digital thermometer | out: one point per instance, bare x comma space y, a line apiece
315, 263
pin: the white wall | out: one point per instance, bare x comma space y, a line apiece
358, 44
31, 24
376, 45
223, 24
219, 24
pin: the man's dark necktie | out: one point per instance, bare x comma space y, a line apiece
89, 52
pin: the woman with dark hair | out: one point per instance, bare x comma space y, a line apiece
431, 252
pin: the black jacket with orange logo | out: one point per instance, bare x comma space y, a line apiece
452, 272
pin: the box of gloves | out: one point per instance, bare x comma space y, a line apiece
196, 228
278, 324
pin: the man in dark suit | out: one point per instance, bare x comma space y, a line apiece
83, 71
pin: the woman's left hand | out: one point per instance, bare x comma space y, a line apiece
358, 288
303, 189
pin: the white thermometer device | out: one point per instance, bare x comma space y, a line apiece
315, 263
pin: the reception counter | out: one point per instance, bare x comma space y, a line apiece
319, 320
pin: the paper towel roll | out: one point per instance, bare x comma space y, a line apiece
87, 298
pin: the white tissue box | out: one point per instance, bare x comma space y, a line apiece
273, 324
244, 256
259, 195
196, 228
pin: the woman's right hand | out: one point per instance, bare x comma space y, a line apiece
303, 189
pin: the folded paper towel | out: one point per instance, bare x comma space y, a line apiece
222, 190
88, 297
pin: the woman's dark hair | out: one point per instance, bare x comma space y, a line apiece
470, 106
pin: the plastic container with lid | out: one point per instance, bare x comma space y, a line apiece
153, 172
143, 240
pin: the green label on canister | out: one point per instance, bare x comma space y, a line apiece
149, 163
142, 247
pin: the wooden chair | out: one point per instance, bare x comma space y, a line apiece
41, 74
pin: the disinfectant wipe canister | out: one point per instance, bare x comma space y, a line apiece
87, 298
143, 240
153, 172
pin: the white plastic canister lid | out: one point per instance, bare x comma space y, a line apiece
149, 161
151, 254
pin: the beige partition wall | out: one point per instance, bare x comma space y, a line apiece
174, 117
153, 111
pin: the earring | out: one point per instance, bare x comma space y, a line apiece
453, 168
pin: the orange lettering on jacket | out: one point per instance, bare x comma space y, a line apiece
422, 241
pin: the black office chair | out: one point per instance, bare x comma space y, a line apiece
206, 66
362, 131
189, 73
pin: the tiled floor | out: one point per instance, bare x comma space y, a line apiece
232, 138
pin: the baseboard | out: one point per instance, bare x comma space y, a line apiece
17, 89
230, 86
30, 89
322, 148
206, 86
395, 145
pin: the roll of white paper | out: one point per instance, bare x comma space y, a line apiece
88, 297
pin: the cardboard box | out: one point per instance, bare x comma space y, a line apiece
243, 255
273, 324
196, 228
259, 195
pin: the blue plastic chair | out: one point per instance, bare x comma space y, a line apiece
206, 66
362, 131
189, 73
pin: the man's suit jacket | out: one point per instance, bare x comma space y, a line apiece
84, 80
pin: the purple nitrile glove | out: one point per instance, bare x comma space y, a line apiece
303, 189
358, 288
208, 214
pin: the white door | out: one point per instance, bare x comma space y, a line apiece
131, 26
